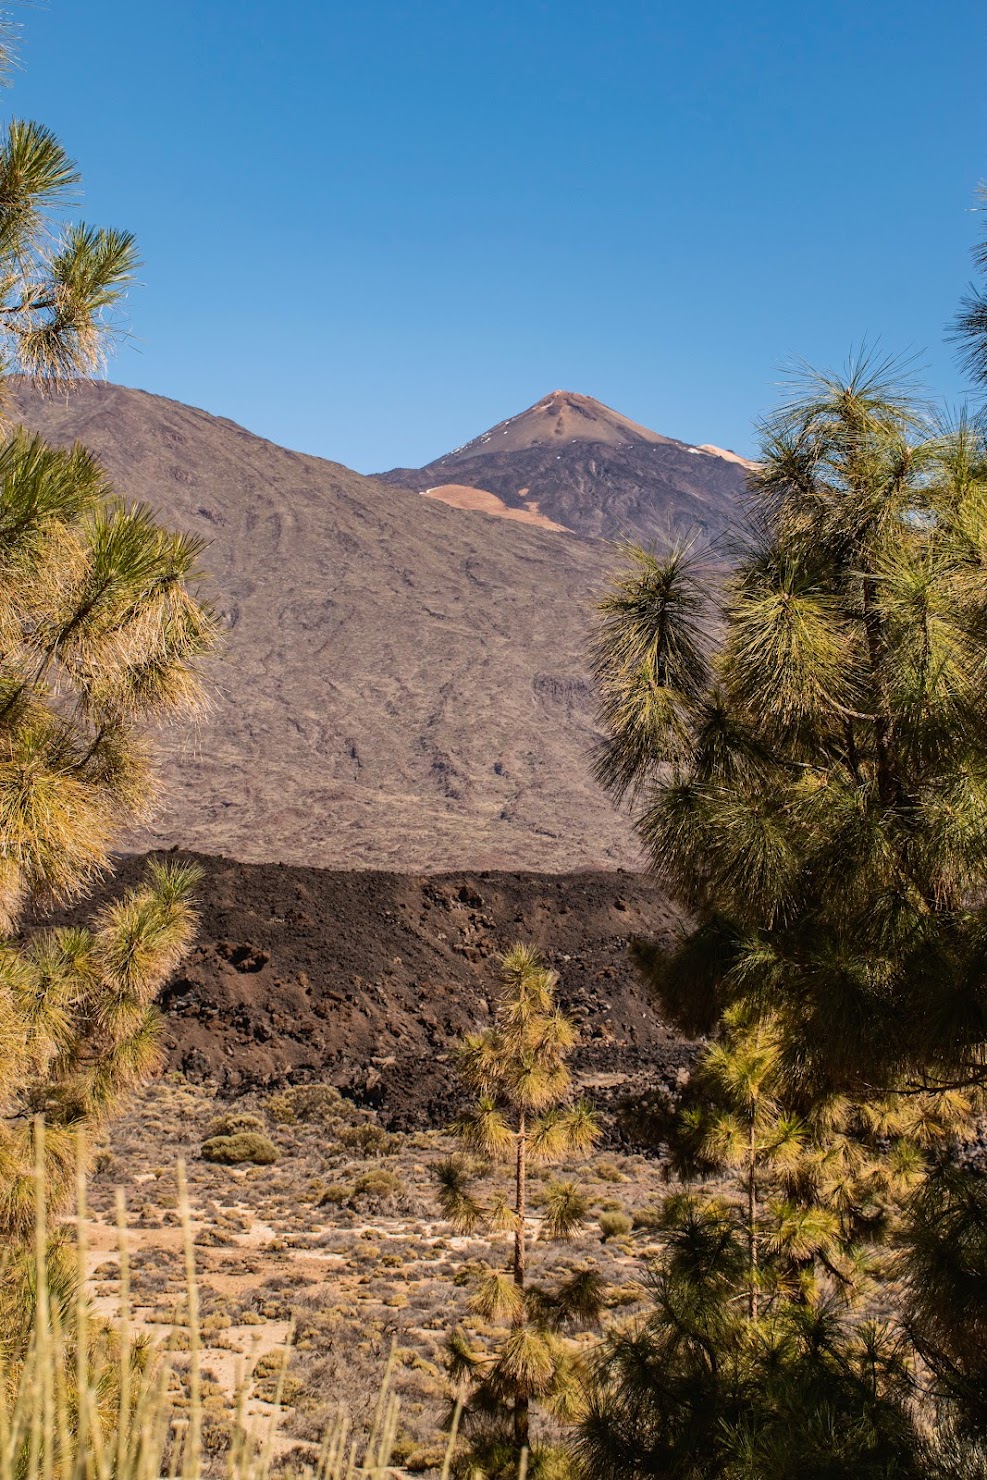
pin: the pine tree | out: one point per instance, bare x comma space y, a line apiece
746, 1128
737, 1123
812, 784
523, 1113
700, 1388
100, 639
802, 740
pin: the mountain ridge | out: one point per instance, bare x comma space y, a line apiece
395, 689
589, 469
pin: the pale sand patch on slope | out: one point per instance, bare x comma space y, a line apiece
725, 452
480, 501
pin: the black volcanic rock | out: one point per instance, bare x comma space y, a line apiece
365, 978
574, 461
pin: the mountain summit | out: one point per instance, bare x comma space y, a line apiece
569, 462
563, 416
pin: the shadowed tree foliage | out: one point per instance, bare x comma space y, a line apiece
523, 1113
813, 785
753, 1361
701, 1389
100, 639
817, 1185
946, 1285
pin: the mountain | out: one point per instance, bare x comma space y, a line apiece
396, 689
570, 462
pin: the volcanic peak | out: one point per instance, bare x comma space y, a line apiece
558, 418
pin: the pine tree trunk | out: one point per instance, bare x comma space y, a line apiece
520, 1204
752, 1224
520, 1250
886, 787
521, 1423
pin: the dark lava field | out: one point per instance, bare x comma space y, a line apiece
367, 979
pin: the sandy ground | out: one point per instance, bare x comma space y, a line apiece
297, 1248
479, 501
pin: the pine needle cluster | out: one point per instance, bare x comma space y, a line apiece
62, 282
523, 1113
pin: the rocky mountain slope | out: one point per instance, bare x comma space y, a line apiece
571, 461
396, 689
402, 684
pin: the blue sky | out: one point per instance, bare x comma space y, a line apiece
371, 230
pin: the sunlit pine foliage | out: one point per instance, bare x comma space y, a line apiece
101, 636
62, 281
523, 1112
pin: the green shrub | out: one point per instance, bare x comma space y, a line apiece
233, 1122
335, 1195
427, 1457
319, 1104
470, 1271
619, 1296
646, 1217
614, 1225
379, 1185
369, 1139
270, 1372
244, 1146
